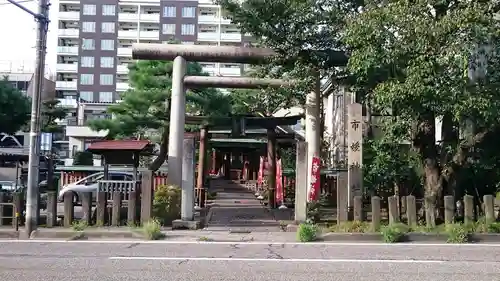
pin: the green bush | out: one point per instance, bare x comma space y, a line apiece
79, 225
152, 230
457, 233
394, 233
167, 204
351, 227
482, 226
307, 232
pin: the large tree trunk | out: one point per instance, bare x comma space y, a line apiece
163, 151
424, 141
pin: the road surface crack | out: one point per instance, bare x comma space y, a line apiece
133, 245
273, 254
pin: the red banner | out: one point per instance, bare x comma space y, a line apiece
260, 177
279, 183
315, 179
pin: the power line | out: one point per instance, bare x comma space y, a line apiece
19, 2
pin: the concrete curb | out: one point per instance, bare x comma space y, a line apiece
408, 237
82, 235
9, 234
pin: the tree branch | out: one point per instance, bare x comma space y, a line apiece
163, 151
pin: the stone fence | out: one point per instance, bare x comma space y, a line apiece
411, 210
115, 203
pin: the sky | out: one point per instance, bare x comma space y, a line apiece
19, 36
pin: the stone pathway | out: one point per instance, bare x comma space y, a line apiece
236, 209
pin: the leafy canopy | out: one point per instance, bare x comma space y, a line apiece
145, 106
422, 60
15, 108
52, 111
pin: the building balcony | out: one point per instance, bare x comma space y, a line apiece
96, 105
149, 35
230, 71
67, 67
128, 17
122, 69
153, 18
68, 103
66, 85
69, 33
121, 86
124, 52
84, 132
67, 50
208, 36
69, 16
208, 19
128, 34
223, 71
207, 3
230, 37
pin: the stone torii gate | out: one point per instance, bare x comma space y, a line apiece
180, 54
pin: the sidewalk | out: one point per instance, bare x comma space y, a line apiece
236, 209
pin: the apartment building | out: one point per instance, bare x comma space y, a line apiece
94, 49
21, 74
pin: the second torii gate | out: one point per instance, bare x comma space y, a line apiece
182, 53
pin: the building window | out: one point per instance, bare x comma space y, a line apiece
87, 61
86, 79
187, 29
108, 10
168, 29
106, 97
108, 27
169, 12
107, 62
106, 79
88, 26
188, 12
89, 9
88, 44
87, 96
107, 45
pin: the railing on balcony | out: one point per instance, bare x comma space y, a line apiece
66, 67
122, 69
125, 52
149, 17
66, 85
121, 86
69, 15
128, 34
208, 36
151, 35
71, 50
69, 32
230, 37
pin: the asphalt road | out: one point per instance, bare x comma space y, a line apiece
223, 262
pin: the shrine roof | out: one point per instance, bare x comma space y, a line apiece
117, 145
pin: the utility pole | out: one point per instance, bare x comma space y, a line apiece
42, 18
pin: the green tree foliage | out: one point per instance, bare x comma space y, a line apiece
424, 60
293, 28
146, 107
51, 111
15, 108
